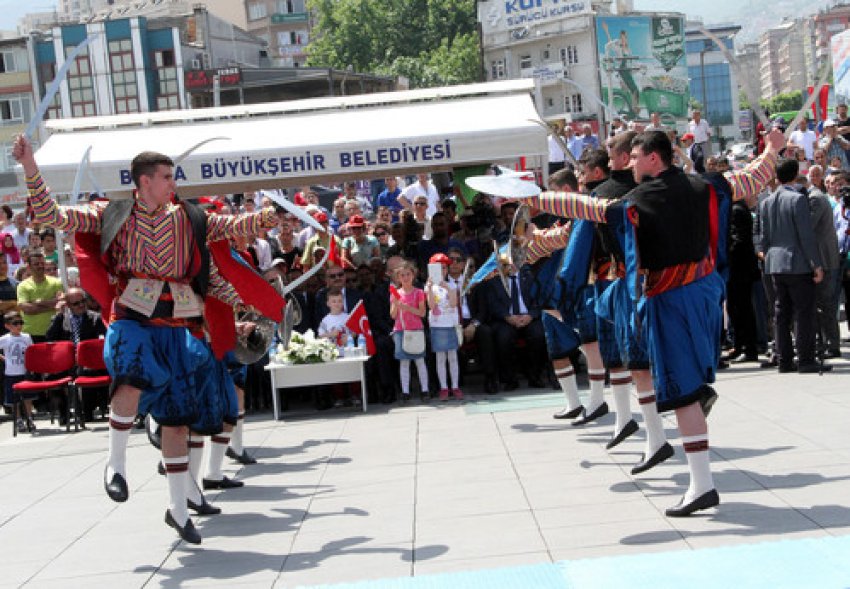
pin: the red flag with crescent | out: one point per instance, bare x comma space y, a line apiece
358, 322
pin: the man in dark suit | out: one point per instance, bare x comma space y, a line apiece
513, 314
74, 324
743, 271
784, 237
382, 368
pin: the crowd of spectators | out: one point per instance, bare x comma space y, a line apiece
406, 224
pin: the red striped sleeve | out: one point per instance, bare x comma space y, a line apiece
571, 204
47, 212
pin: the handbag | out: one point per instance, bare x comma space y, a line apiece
413, 340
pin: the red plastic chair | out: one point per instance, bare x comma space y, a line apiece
41, 361
89, 357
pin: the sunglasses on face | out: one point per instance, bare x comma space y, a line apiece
421, 204
340, 275
76, 303
380, 234
16, 322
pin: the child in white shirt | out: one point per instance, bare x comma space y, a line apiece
12, 348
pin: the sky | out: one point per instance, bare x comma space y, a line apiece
714, 11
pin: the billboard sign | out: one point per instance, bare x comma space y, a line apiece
497, 16
643, 65
840, 49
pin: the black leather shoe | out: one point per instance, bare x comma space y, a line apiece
160, 468
597, 413
116, 488
243, 458
188, 532
491, 386
772, 363
224, 483
662, 454
813, 368
630, 428
745, 358
569, 413
708, 399
832, 354
704, 501
786, 368
205, 508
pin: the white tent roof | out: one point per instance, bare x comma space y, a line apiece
285, 144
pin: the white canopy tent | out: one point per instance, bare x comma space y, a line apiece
285, 144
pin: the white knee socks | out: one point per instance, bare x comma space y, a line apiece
621, 384
119, 436
597, 388
236, 434
567, 379
217, 450
699, 465
177, 470
196, 455
655, 436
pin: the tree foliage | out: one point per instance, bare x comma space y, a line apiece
431, 42
784, 102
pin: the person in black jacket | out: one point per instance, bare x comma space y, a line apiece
75, 323
513, 313
743, 271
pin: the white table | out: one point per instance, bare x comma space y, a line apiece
299, 375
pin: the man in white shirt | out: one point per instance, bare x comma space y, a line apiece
424, 187
557, 158
698, 126
21, 233
805, 138
655, 123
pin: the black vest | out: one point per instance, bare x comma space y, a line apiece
672, 219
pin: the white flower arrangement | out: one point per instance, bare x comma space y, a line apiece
306, 349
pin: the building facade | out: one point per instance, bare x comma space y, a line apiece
285, 25
825, 24
782, 57
17, 105
713, 82
558, 51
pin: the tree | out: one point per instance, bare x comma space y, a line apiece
743, 100
431, 42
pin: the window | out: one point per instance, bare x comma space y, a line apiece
7, 62
81, 84
497, 69
15, 109
257, 11
284, 38
524, 62
124, 85
569, 55
47, 73
573, 103
167, 88
290, 6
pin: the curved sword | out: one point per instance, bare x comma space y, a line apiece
53, 88
306, 276
559, 139
296, 210
177, 160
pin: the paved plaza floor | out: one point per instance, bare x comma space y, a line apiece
489, 493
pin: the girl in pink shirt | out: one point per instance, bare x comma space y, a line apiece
407, 307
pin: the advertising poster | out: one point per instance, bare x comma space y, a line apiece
840, 46
643, 65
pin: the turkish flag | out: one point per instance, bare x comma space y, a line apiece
333, 254
358, 322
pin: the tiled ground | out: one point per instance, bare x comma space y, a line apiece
419, 490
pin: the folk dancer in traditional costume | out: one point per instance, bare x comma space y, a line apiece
157, 252
615, 306
675, 231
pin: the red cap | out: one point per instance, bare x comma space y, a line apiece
440, 259
356, 221
688, 137
320, 217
